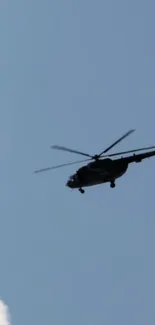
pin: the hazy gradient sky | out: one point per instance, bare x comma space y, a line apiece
76, 73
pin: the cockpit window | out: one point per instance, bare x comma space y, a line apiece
73, 177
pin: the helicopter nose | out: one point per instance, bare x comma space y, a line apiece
68, 184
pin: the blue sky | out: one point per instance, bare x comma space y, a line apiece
76, 73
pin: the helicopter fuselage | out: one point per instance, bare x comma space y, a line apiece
98, 172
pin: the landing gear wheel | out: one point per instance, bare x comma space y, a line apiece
81, 190
112, 184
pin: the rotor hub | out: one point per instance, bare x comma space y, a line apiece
96, 157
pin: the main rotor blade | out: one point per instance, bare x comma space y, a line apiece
59, 166
70, 150
129, 151
116, 142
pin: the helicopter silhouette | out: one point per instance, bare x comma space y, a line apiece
101, 169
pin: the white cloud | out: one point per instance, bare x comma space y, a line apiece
4, 314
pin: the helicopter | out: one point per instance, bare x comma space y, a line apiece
101, 168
